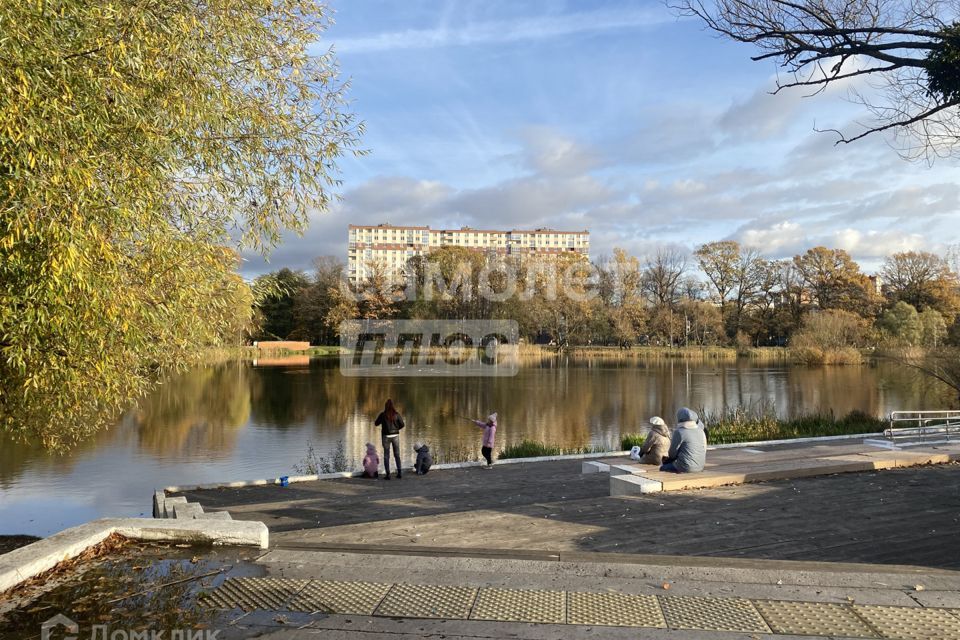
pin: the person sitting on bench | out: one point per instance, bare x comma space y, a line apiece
657, 443
688, 445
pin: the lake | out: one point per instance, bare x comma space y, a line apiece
238, 421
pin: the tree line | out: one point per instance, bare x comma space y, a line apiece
721, 294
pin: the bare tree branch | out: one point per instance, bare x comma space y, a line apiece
900, 123
913, 46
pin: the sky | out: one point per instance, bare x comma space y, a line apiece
617, 117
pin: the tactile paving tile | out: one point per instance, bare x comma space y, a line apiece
428, 601
520, 605
334, 596
813, 619
254, 593
712, 614
614, 610
910, 623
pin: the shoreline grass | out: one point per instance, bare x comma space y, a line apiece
534, 449
758, 422
631, 440
708, 353
808, 356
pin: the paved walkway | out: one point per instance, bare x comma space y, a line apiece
390, 596
895, 516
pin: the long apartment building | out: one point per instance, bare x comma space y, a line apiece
393, 246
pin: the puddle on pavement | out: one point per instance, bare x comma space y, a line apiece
133, 588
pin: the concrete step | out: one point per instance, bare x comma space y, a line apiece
170, 503
187, 511
214, 515
631, 485
591, 466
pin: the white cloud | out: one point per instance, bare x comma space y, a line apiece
875, 244
497, 31
788, 238
548, 152
761, 116
531, 201
771, 240
394, 199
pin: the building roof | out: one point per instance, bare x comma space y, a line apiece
537, 231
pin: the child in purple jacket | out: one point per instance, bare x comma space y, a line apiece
489, 435
371, 462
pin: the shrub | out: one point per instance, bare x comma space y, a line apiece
313, 464
830, 337
820, 356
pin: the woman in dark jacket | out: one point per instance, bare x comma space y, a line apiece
390, 423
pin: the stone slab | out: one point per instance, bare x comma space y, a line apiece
702, 480
628, 469
589, 466
170, 503
921, 456
187, 511
631, 485
159, 499
787, 469
215, 515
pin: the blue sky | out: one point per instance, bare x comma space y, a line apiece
612, 116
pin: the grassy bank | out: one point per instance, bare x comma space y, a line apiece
695, 354
760, 422
796, 355
534, 449
324, 351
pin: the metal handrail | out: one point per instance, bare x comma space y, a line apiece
942, 423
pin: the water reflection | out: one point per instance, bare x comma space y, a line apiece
568, 403
283, 361
198, 410
239, 421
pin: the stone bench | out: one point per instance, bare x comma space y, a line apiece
633, 485
629, 469
742, 467
591, 466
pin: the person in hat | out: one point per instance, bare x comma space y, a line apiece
688, 445
489, 435
657, 443
371, 462
424, 459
